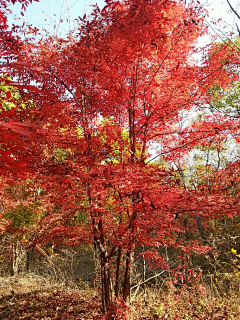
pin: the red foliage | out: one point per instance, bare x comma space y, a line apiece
105, 96
13, 133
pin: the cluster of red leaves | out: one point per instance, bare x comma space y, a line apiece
14, 135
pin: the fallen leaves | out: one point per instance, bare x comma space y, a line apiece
51, 304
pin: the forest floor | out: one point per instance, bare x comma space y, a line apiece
33, 297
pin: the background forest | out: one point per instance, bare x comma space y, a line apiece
119, 152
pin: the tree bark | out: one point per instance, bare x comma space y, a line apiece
106, 284
127, 277
117, 280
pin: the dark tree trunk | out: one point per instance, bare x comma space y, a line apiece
106, 285
28, 258
117, 281
127, 277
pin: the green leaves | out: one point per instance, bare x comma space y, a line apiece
22, 217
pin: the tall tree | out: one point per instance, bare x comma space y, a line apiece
115, 88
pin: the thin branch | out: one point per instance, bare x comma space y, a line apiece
233, 10
178, 148
155, 276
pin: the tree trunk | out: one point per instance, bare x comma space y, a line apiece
117, 280
198, 219
106, 285
127, 277
28, 258
19, 256
144, 280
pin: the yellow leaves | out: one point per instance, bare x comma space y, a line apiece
111, 200
70, 151
79, 131
234, 252
25, 238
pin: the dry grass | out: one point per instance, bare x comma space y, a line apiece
188, 305
23, 284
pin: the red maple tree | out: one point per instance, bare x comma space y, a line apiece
113, 90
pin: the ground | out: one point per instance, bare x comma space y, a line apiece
33, 297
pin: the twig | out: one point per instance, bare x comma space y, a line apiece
155, 276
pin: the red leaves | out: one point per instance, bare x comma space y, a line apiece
8, 95
154, 259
